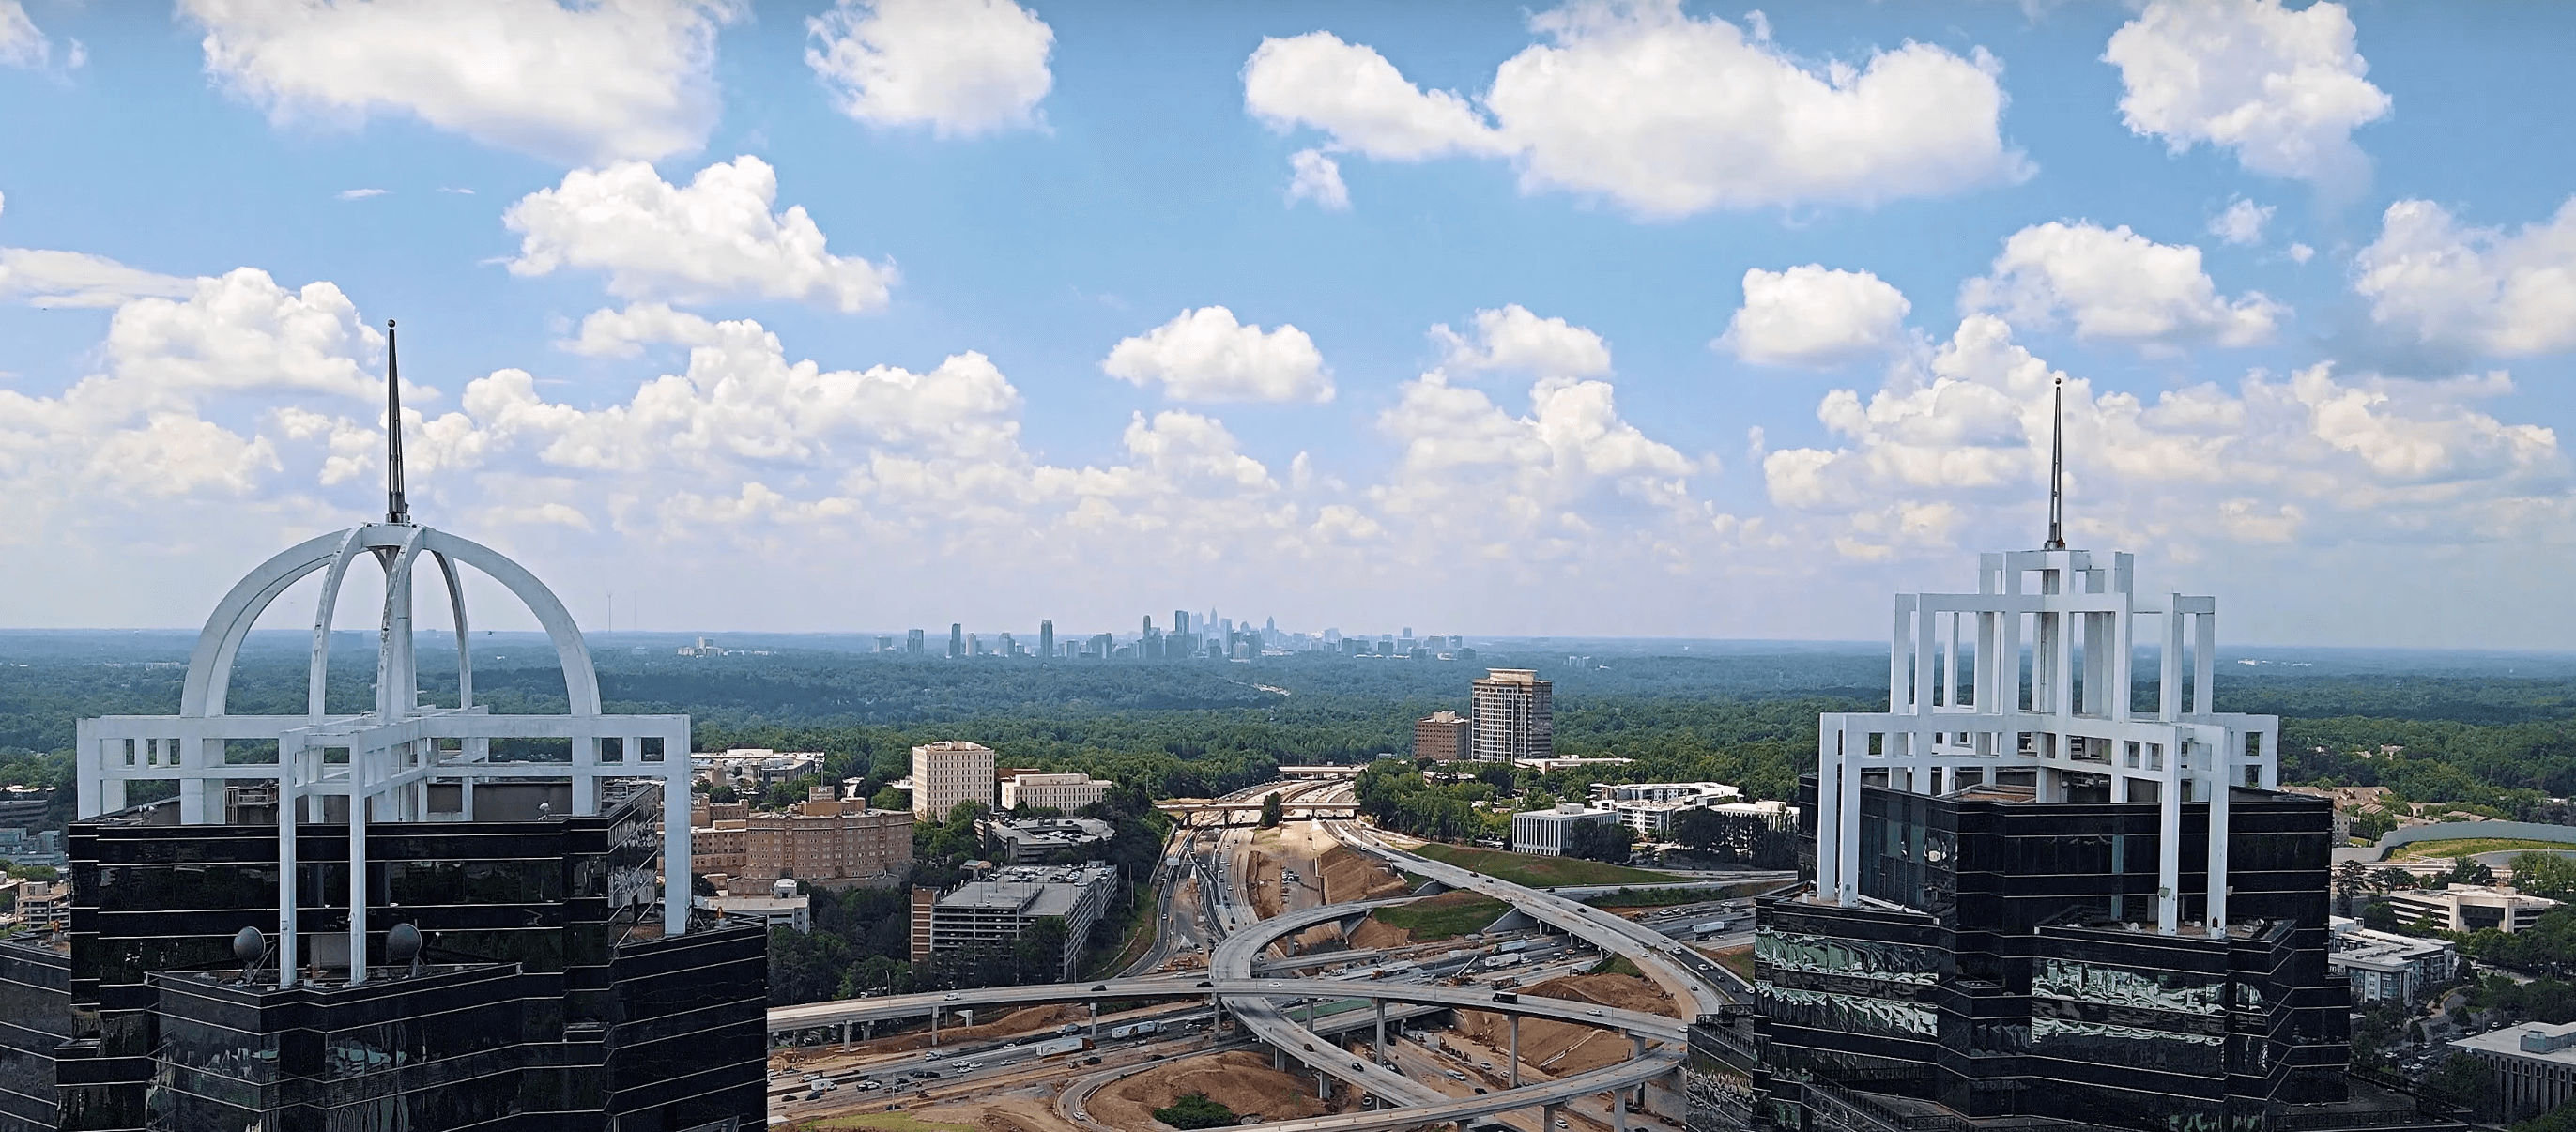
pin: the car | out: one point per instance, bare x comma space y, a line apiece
928, 1074
1357, 1065
1484, 1065
974, 1065
1274, 985
1100, 986
814, 1095
1204, 983
1092, 1060
952, 998
1560, 1122
1481, 1090
1082, 1116
1593, 1013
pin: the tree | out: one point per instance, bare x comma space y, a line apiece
1271, 810
2379, 916
2350, 880
2469, 870
1599, 841
2545, 874
1195, 1110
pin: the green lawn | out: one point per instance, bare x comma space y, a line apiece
1446, 916
1530, 870
1664, 897
1738, 960
2463, 847
1616, 965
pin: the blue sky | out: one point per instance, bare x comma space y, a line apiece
1602, 319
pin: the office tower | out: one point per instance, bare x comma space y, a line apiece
974, 645
1513, 719
1046, 640
956, 640
395, 919
1444, 735
885, 644
1180, 622
948, 772
1102, 645
2034, 898
915, 643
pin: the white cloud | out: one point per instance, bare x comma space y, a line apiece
2116, 284
714, 239
2281, 88
624, 333
1956, 454
960, 67
1351, 92
21, 44
78, 279
361, 194
1813, 316
1205, 355
578, 84
1317, 178
2482, 289
2301, 253
1664, 113
2242, 223
1514, 339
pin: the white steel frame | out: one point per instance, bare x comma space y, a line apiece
396, 751
2072, 714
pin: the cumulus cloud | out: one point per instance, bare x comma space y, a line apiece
2283, 89
2242, 223
578, 84
2115, 284
1317, 178
1668, 115
21, 44
1512, 338
717, 238
48, 278
1958, 451
608, 333
960, 67
2433, 279
1205, 355
1815, 316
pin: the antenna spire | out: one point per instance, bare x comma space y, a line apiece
397, 511
2057, 468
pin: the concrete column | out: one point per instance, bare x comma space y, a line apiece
1278, 1060
1095, 1021
934, 1025
1547, 1117
1619, 1111
1382, 1056
845, 1035
1323, 1086
1516, 1049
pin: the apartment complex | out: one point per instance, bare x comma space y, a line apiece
1066, 792
2467, 907
1544, 832
2387, 969
948, 772
994, 912
1648, 807
822, 839
1445, 736
1513, 719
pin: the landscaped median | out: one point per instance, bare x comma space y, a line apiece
1529, 870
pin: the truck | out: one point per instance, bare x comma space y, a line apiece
1134, 1030
1515, 945
1506, 960
1054, 1046
1708, 928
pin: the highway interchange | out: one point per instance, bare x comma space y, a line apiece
1232, 991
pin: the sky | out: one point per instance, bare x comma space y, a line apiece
1610, 319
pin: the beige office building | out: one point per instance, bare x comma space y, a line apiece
1445, 736
1513, 720
948, 772
1067, 792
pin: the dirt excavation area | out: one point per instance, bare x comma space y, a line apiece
1238, 1079
1349, 876
1562, 1048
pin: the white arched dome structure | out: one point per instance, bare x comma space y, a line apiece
400, 762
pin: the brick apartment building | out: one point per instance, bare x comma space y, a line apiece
822, 839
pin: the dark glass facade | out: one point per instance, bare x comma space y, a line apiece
2006, 964
549, 995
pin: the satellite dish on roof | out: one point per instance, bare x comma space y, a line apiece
249, 945
402, 946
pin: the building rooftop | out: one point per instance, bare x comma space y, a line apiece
1040, 833
2540, 1040
1029, 891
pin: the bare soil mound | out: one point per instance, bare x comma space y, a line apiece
1349, 876
1238, 1079
1263, 871
1376, 933
1558, 1049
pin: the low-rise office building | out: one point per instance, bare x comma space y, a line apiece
2533, 1067
2468, 908
948, 772
995, 912
1066, 792
2387, 969
1544, 832
1648, 807
1024, 841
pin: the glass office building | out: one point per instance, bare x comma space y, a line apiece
2045, 890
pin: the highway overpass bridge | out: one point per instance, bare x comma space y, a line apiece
1194, 813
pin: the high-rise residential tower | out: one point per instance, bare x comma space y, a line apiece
948, 772
1513, 717
956, 640
1046, 640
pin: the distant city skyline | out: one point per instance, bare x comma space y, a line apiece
798, 323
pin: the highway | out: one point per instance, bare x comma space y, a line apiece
1204, 903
